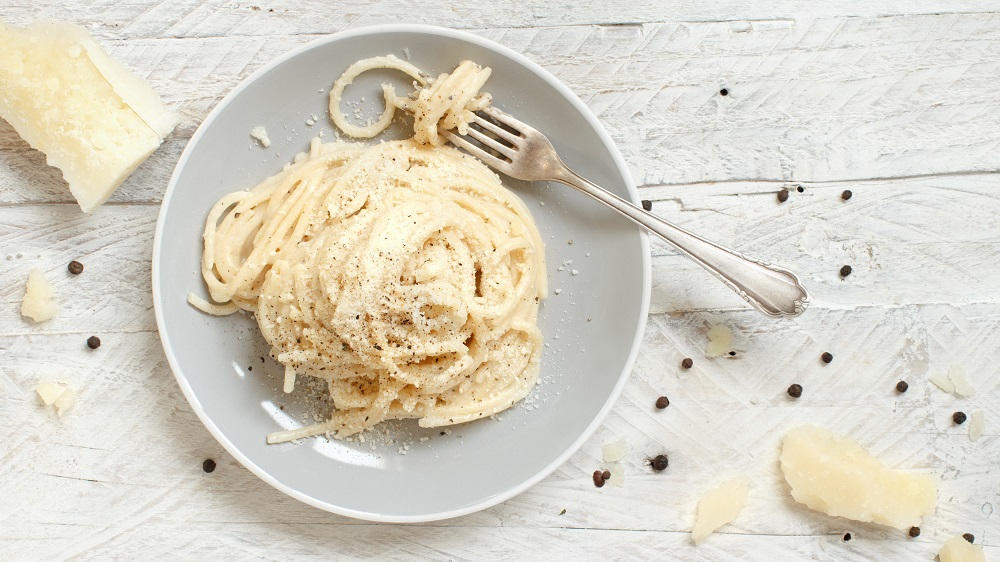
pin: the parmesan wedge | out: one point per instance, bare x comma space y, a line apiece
957, 549
720, 506
833, 474
92, 118
38, 303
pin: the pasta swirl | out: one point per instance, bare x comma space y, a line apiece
403, 273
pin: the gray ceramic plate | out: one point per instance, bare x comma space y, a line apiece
598, 263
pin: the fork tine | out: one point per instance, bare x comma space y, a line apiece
491, 142
507, 119
474, 150
498, 131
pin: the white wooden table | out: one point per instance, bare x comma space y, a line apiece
897, 101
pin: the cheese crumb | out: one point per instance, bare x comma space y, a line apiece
617, 471
961, 384
49, 391
259, 133
65, 402
976, 425
616, 451
720, 341
954, 382
53, 393
942, 381
720, 506
38, 303
957, 549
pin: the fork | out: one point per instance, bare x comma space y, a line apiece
526, 154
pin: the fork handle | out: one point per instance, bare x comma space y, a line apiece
773, 290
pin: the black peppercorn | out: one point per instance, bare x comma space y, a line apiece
847, 537
724, 92
846, 194
827, 357
795, 390
914, 532
598, 478
93, 342
662, 402
959, 418
845, 271
647, 205
208, 465
75, 267
687, 363
783, 196
606, 474
901, 386
659, 462
969, 537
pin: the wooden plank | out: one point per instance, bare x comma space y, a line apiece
918, 240
891, 100
907, 241
141, 474
173, 539
817, 100
200, 18
114, 244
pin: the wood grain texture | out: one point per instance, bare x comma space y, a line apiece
893, 100
817, 100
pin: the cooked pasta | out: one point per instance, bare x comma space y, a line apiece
403, 274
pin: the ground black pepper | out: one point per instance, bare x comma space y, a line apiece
914, 532
93, 342
827, 357
901, 386
75, 267
647, 205
845, 271
208, 465
783, 196
958, 417
969, 537
687, 363
846, 194
795, 390
659, 462
662, 402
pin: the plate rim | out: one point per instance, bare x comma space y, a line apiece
623, 376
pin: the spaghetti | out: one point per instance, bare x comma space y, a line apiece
403, 274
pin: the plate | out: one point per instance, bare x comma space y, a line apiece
599, 278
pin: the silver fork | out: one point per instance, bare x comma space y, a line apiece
528, 155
